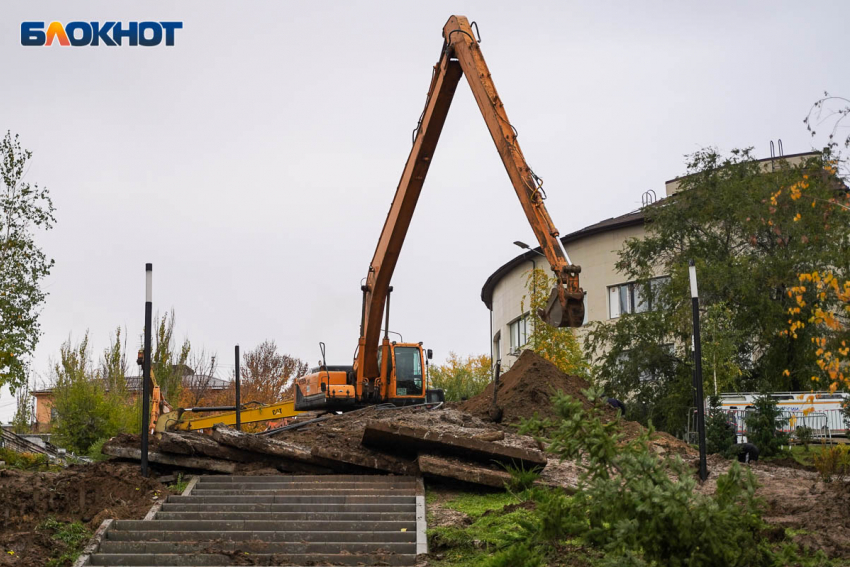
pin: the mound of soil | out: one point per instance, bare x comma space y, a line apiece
527, 389
80, 493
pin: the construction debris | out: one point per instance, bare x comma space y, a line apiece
458, 443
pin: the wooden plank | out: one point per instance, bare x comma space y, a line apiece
386, 434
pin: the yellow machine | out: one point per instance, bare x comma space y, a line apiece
190, 419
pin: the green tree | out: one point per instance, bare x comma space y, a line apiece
24, 208
764, 424
751, 228
557, 345
169, 360
86, 411
461, 378
24, 413
720, 433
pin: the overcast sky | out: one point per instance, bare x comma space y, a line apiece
254, 162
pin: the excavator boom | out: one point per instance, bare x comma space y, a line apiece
461, 55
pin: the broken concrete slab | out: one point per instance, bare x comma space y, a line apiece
202, 463
456, 469
405, 438
364, 458
264, 445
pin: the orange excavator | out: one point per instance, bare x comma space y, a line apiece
393, 372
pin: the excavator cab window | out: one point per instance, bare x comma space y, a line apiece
408, 371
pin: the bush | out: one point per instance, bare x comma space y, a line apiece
95, 452
73, 535
833, 462
764, 424
24, 461
86, 411
460, 378
720, 434
804, 436
640, 508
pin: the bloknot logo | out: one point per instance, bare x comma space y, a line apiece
77, 34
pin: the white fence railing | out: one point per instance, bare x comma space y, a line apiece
823, 424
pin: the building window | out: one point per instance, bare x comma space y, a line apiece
53, 414
497, 347
631, 298
519, 332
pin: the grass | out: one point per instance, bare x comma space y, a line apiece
491, 529
73, 534
179, 485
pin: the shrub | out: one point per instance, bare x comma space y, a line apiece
804, 436
24, 461
719, 430
764, 424
833, 462
460, 378
640, 508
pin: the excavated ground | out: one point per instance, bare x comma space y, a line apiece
81, 493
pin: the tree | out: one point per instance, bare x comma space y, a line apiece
167, 361
720, 430
23, 265
557, 345
24, 413
461, 378
267, 375
86, 411
198, 385
764, 426
751, 228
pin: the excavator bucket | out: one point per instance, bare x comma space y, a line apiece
564, 309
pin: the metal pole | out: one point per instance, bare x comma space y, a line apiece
146, 368
700, 402
238, 395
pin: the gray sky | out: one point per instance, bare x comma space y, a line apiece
254, 162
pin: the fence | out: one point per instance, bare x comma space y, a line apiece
824, 424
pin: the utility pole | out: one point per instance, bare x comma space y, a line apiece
238, 394
146, 368
700, 401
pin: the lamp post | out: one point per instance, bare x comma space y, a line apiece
146, 369
700, 403
525, 246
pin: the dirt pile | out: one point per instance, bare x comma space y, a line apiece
80, 493
527, 389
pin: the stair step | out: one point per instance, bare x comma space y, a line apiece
397, 485
208, 559
376, 478
258, 547
272, 507
262, 525
293, 499
291, 516
306, 492
296, 536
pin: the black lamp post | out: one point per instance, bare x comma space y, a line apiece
700, 403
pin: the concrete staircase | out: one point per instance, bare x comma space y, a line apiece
276, 520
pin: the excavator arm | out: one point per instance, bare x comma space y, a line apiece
461, 55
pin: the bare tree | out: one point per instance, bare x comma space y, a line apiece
199, 386
268, 375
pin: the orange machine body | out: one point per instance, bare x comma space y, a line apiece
402, 381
